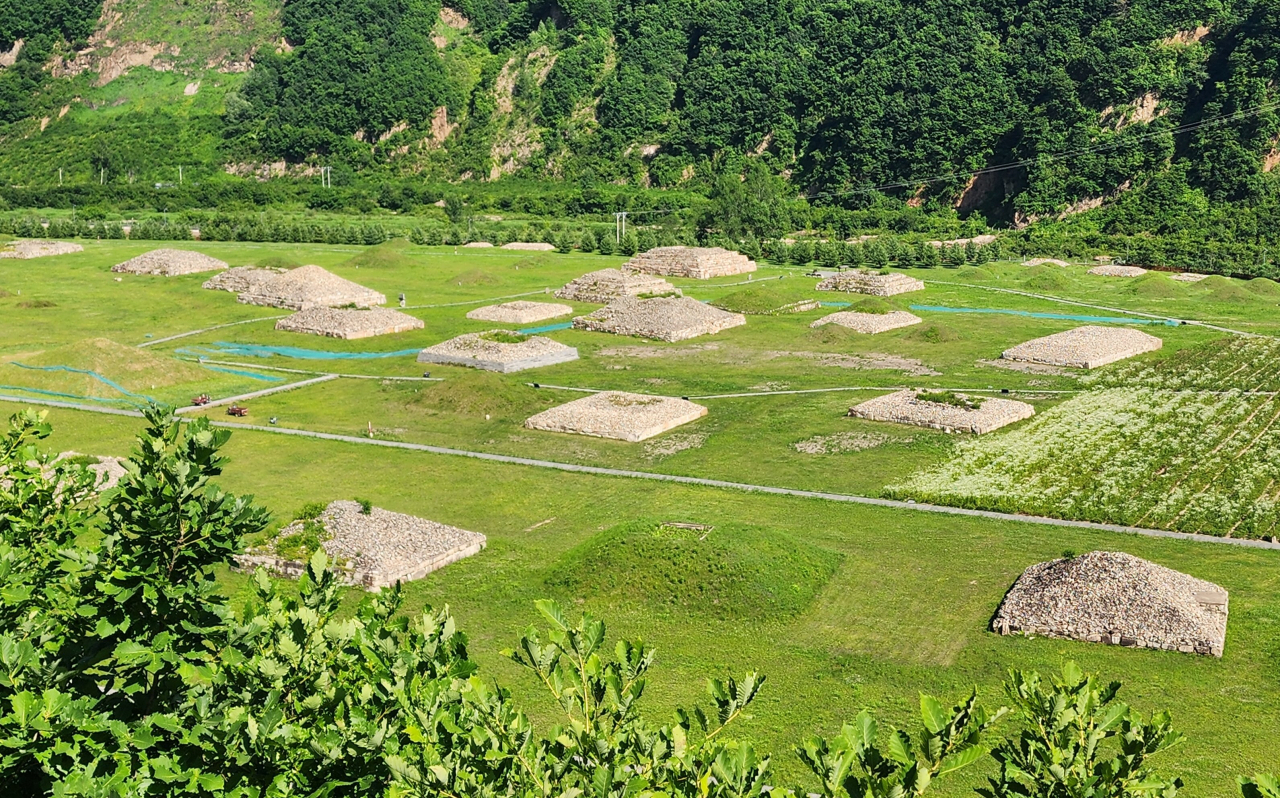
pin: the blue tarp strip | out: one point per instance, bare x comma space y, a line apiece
549, 328
104, 380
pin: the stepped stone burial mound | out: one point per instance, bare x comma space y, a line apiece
960, 414
1045, 262
477, 245
663, 318
379, 549
520, 312
349, 323
34, 248
1113, 597
169, 263
498, 350
623, 416
1188, 277
107, 470
698, 263
1109, 270
606, 285
870, 323
532, 246
874, 283
1085, 347
239, 279
309, 287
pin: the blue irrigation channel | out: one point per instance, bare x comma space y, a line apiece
24, 389
104, 380
835, 304
257, 350
1064, 316
251, 375
549, 328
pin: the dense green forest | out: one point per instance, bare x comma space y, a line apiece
1096, 122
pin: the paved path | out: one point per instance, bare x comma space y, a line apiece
683, 480
244, 397
205, 330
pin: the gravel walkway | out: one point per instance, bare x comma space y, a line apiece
1085, 347
1113, 597
667, 319
349, 323
169, 263
615, 414
520, 312
870, 323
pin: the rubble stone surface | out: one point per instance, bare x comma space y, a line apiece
309, 287
662, 318
870, 323
698, 263
1113, 597
1085, 347
379, 549
532, 246
623, 416
606, 285
239, 279
520, 312
1045, 262
476, 351
907, 407
349, 323
35, 248
863, 281
1188, 277
1110, 270
477, 245
169, 263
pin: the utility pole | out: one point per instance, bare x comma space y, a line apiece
59, 177
102, 177
179, 175
326, 177
619, 226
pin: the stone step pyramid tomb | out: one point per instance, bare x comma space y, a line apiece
916, 408
169, 263
604, 286
493, 351
865, 281
378, 549
661, 318
349, 323
1085, 347
619, 415
309, 287
520, 312
35, 248
698, 263
1113, 597
239, 279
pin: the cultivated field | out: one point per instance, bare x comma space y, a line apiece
844, 606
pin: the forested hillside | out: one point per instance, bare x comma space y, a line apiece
1059, 106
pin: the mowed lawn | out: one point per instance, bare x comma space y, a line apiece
906, 609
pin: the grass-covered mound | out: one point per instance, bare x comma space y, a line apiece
1263, 286
277, 262
1046, 278
764, 299
975, 274
872, 304
731, 571
390, 255
932, 333
66, 369
1225, 290
473, 277
1156, 285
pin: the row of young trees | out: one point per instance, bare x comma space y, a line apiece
124, 672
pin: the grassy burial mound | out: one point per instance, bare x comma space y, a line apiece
869, 323
1263, 287
1158, 285
28, 249
1217, 288
310, 287
389, 255
243, 279
98, 367
768, 299
498, 350
630, 417
1111, 270
863, 281
169, 263
604, 286
520, 312
1045, 278
944, 410
667, 319
1085, 347
697, 263
1113, 597
349, 323
729, 572
375, 548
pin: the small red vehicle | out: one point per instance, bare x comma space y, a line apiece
238, 411
201, 400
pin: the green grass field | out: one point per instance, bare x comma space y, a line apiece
842, 606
